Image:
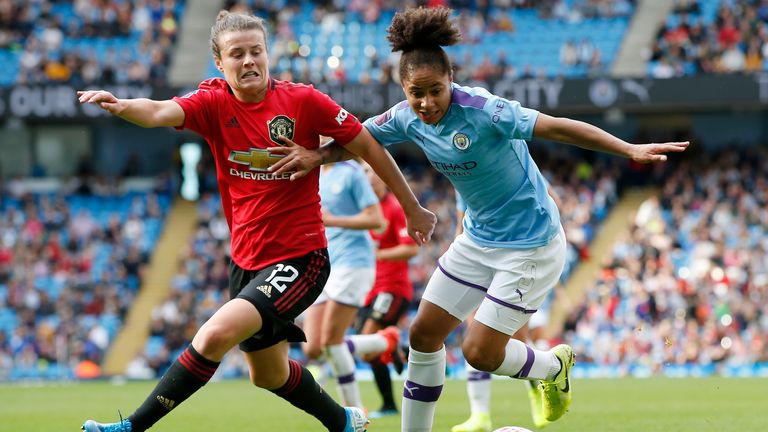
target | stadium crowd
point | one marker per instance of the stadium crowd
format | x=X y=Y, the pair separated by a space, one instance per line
x=707 y=36
x=687 y=284
x=86 y=42
x=70 y=265
x=477 y=20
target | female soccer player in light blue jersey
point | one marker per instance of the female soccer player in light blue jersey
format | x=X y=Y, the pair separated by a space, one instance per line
x=350 y=209
x=512 y=250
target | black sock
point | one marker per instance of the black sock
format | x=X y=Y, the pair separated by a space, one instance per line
x=384 y=383
x=185 y=376
x=303 y=392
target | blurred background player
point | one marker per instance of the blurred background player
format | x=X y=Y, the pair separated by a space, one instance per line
x=350 y=208
x=388 y=301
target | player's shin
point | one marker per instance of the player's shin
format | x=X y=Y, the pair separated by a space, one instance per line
x=187 y=374
x=478 y=390
x=343 y=365
x=522 y=361
x=426 y=376
x=303 y=392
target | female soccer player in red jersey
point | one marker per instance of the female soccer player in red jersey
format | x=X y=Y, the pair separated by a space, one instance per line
x=279 y=258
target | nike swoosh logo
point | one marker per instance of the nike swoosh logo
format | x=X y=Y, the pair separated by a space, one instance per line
x=567 y=387
x=411 y=389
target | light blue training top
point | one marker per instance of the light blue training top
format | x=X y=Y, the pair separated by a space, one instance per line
x=346 y=191
x=479 y=145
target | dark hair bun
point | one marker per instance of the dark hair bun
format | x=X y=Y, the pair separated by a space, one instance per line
x=422 y=28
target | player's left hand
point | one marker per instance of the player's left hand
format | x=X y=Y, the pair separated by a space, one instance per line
x=297 y=159
x=647 y=153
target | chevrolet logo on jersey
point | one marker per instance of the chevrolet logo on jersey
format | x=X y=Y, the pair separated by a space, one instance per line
x=256 y=159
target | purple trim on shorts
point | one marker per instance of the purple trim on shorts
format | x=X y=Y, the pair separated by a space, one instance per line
x=346 y=379
x=528 y=364
x=350 y=345
x=509 y=305
x=478 y=376
x=422 y=393
x=463 y=282
x=466 y=99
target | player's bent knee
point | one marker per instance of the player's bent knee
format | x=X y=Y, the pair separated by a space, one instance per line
x=313 y=352
x=213 y=341
x=424 y=341
x=269 y=381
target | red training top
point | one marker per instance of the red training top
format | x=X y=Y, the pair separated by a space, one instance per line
x=392 y=276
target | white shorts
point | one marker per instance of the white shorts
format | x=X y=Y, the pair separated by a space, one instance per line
x=505 y=285
x=348 y=285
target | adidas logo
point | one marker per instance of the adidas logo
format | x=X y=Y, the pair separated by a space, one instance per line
x=165 y=402
x=232 y=123
x=266 y=289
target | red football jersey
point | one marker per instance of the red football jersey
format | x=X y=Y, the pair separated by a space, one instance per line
x=392 y=276
x=270 y=217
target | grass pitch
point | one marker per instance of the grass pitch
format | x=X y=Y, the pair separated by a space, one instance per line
x=625 y=405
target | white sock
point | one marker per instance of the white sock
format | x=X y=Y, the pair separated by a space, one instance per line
x=367 y=343
x=524 y=362
x=531 y=384
x=343 y=365
x=478 y=390
x=426 y=376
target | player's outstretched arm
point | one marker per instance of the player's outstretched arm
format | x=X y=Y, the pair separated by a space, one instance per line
x=591 y=137
x=300 y=161
x=143 y=112
x=421 y=222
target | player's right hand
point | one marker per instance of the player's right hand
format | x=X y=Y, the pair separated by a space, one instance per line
x=421 y=224
x=297 y=159
x=104 y=99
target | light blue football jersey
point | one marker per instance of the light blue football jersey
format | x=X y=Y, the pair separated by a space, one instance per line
x=346 y=191
x=460 y=204
x=480 y=146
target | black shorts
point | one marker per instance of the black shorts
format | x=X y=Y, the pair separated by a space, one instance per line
x=281 y=292
x=386 y=309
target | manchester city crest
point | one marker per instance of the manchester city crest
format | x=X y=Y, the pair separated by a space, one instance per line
x=280 y=126
x=461 y=141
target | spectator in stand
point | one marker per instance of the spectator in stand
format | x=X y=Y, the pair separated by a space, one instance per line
x=725 y=43
x=41 y=35
x=679 y=289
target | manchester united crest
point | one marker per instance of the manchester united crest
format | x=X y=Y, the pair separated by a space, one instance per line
x=281 y=126
x=461 y=141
